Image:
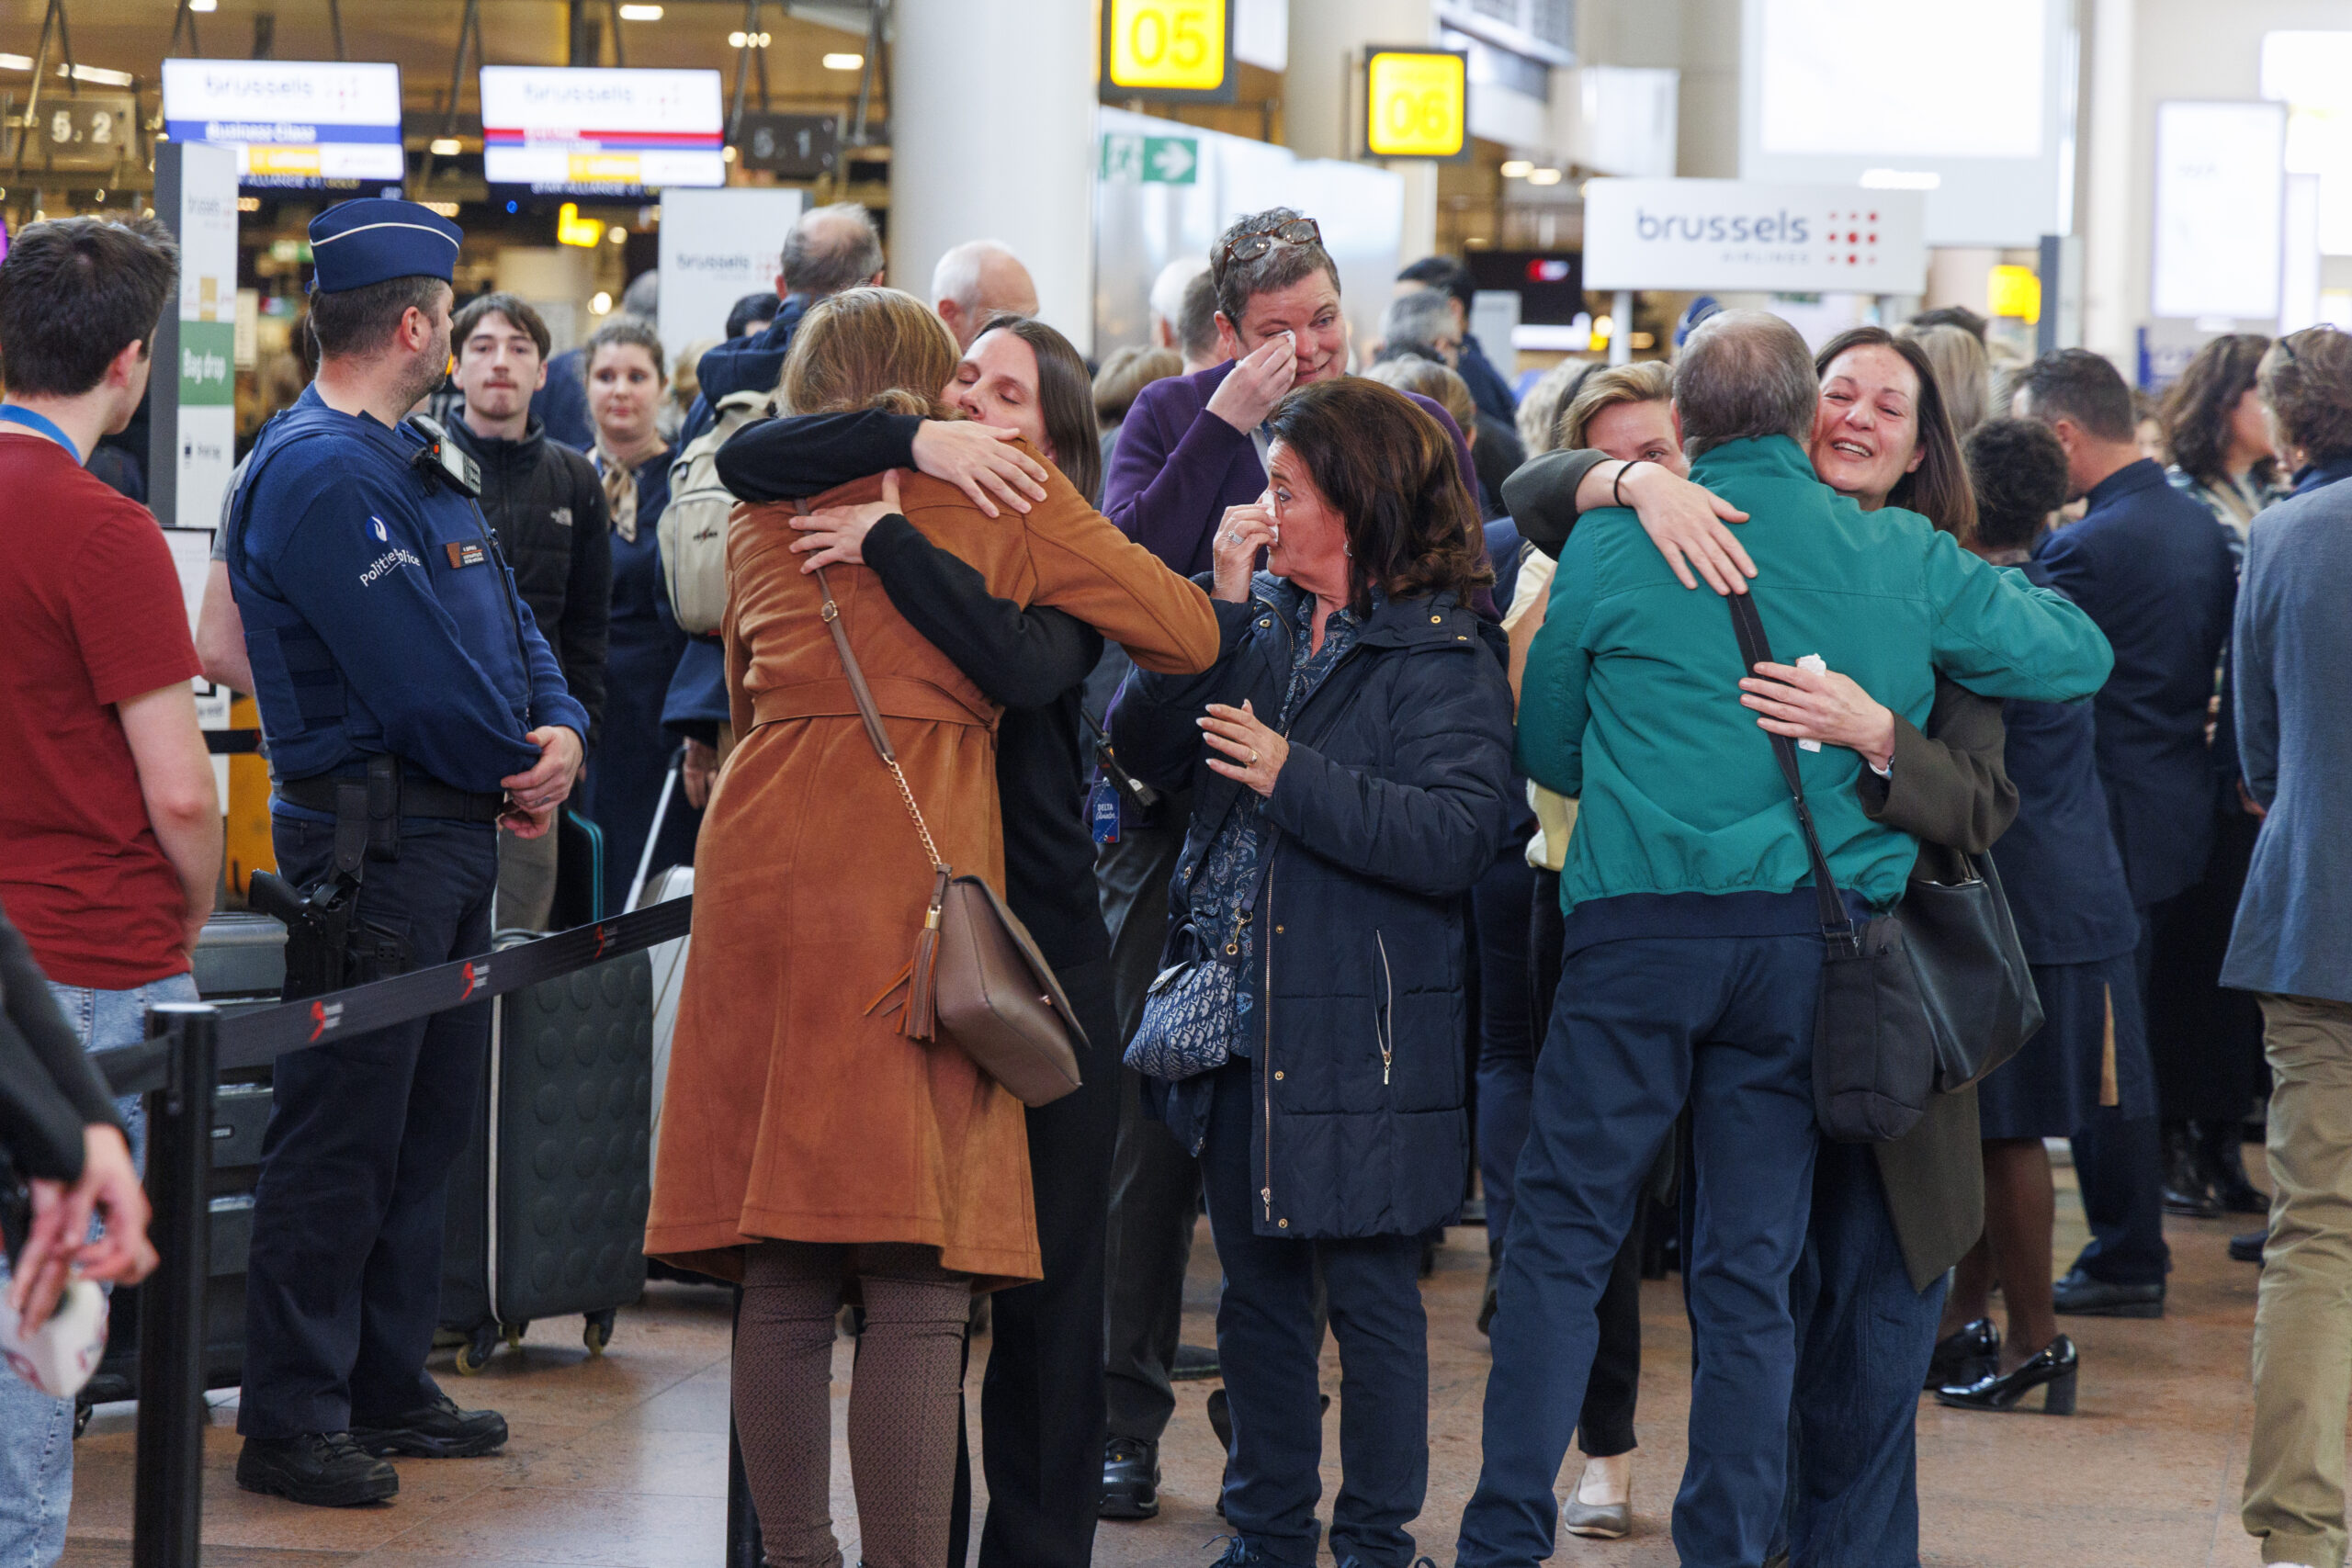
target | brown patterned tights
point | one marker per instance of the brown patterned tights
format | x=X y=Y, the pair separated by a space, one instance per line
x=904 y=1399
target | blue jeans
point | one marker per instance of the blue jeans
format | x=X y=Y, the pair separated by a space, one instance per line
x=35 y=1431
x=1269 y=1340
x=1641 y=1027
x=1864 y=1338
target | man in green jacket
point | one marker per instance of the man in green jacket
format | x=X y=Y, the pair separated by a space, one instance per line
x=1694 y=946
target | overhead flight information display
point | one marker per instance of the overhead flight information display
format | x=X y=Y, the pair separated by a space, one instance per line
x=298 y=124
x=582 y=131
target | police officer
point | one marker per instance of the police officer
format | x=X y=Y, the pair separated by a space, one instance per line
x=412 y=707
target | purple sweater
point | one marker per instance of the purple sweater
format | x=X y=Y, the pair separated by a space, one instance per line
x=1177 y=466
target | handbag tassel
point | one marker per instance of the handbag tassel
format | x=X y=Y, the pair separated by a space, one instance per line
x=922 y=1020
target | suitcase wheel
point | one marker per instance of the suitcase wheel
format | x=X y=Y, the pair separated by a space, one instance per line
x=514 y=1335
x=475 y=1353
x=82 y=1410
x=598 y=1332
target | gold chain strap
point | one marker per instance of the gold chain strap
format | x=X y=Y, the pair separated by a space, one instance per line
x=914 y=811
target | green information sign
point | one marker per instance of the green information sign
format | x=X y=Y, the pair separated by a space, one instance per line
x=208 y=363
x=1151 y=160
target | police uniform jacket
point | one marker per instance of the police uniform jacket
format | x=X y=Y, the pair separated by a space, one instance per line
x=379 y=614
x=795 y=1110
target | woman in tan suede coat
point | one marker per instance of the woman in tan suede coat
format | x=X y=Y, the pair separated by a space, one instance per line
x=807 y=1144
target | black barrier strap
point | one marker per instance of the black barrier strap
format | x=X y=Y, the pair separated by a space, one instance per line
x=258 y=1038
x=232 y=742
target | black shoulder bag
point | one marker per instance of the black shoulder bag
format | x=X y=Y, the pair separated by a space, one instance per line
x=1926 y=998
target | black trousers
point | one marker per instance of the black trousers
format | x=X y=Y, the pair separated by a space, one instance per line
x=2206 y=1042
x=1155 y=1184
x=1041 y=1400
x=344 y=1286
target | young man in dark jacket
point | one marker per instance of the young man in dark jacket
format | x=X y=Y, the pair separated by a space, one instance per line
x=547 y=506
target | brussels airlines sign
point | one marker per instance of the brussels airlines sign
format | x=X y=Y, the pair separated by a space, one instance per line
x=1735 y=234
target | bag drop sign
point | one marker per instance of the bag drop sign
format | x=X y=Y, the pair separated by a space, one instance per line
x=1739 y=235
x=207 y=360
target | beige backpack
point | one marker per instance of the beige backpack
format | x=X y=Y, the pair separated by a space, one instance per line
x=692 y=530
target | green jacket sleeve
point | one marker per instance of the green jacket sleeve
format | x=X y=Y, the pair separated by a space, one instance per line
x=1541 y=496
x=1552 y=698
x=2000 y=635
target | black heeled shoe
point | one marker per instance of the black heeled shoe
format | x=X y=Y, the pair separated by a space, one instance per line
x=1966 y=1354
x=2055 y=1367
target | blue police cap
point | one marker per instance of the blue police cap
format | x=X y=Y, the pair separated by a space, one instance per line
x=359 y=242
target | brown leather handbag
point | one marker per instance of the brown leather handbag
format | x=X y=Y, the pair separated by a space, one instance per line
x=977 y=976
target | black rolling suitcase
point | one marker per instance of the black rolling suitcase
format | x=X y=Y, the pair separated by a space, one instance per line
x=548 y=1203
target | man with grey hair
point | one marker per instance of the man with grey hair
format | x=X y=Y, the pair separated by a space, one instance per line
x=1165 y=305
x=976 y=281
x=829 y=249
x=1695 y=936
x=1425 y=324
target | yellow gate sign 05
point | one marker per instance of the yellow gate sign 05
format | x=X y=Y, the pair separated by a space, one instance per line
x=1417 y=102
x=1168 y=49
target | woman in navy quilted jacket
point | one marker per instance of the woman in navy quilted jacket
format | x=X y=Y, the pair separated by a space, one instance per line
x=1350 y=758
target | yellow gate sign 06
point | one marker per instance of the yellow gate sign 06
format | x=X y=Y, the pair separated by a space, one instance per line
x=1417 y=102
x=1168 y=48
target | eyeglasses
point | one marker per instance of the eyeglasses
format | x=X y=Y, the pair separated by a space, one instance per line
x=1248 y=247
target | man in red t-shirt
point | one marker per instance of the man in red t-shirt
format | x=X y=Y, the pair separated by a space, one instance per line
x=110 y=824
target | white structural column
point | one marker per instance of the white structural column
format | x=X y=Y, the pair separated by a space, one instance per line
x=2112 y=121
x=992 y=138
x=1323 y=90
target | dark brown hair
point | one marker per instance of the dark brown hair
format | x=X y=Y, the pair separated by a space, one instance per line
x=359 y=321
x=518 y=313
x=624 y=331
x=1938 y=489
x=2307 y=381
x=2019 y=472
x=1065 y=402
x=869 y=348
x=75 y=292
x=2197 y=408
x=1389 y=470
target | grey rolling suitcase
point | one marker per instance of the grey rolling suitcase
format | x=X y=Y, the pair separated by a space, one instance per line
x=548 y=1202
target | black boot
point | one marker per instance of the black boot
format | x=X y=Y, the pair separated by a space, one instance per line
x=1130 y=1479
x=326 y=1469
x=2185 y=1180
x=438 y=1430
x=1493 y=1283
x=2222 y=1152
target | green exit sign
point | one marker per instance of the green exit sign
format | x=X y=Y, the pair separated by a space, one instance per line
x=1151 y=160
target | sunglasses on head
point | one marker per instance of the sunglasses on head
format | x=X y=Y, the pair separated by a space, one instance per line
x=1248 y=247
x=2287 y=343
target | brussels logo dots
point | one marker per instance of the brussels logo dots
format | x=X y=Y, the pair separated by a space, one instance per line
x=1841 y=238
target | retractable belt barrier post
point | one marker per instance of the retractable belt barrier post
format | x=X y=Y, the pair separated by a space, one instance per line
x=187 y=1046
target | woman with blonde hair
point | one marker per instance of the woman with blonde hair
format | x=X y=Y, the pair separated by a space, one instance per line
x=810 y=1148
x=1964 y=372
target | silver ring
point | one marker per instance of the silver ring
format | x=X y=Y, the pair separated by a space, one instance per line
x=1254 y=758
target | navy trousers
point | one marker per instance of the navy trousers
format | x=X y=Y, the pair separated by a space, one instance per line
x=1864 y=1338
x=344 y=1288
x=1640 y=1028
x=1269 y=1341
x=1500 y=905
x=2118 y=1162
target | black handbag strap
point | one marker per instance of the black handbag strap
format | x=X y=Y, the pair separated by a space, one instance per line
x=1836 y=924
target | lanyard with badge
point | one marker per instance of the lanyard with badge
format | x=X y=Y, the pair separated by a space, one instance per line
x=40 y=424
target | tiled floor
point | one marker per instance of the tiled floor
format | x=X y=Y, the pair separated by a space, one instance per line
x=620 y=1462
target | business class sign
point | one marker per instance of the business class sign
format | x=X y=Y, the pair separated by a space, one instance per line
x=1739 y=235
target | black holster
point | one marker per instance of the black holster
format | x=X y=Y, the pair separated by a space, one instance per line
x=328 y=945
